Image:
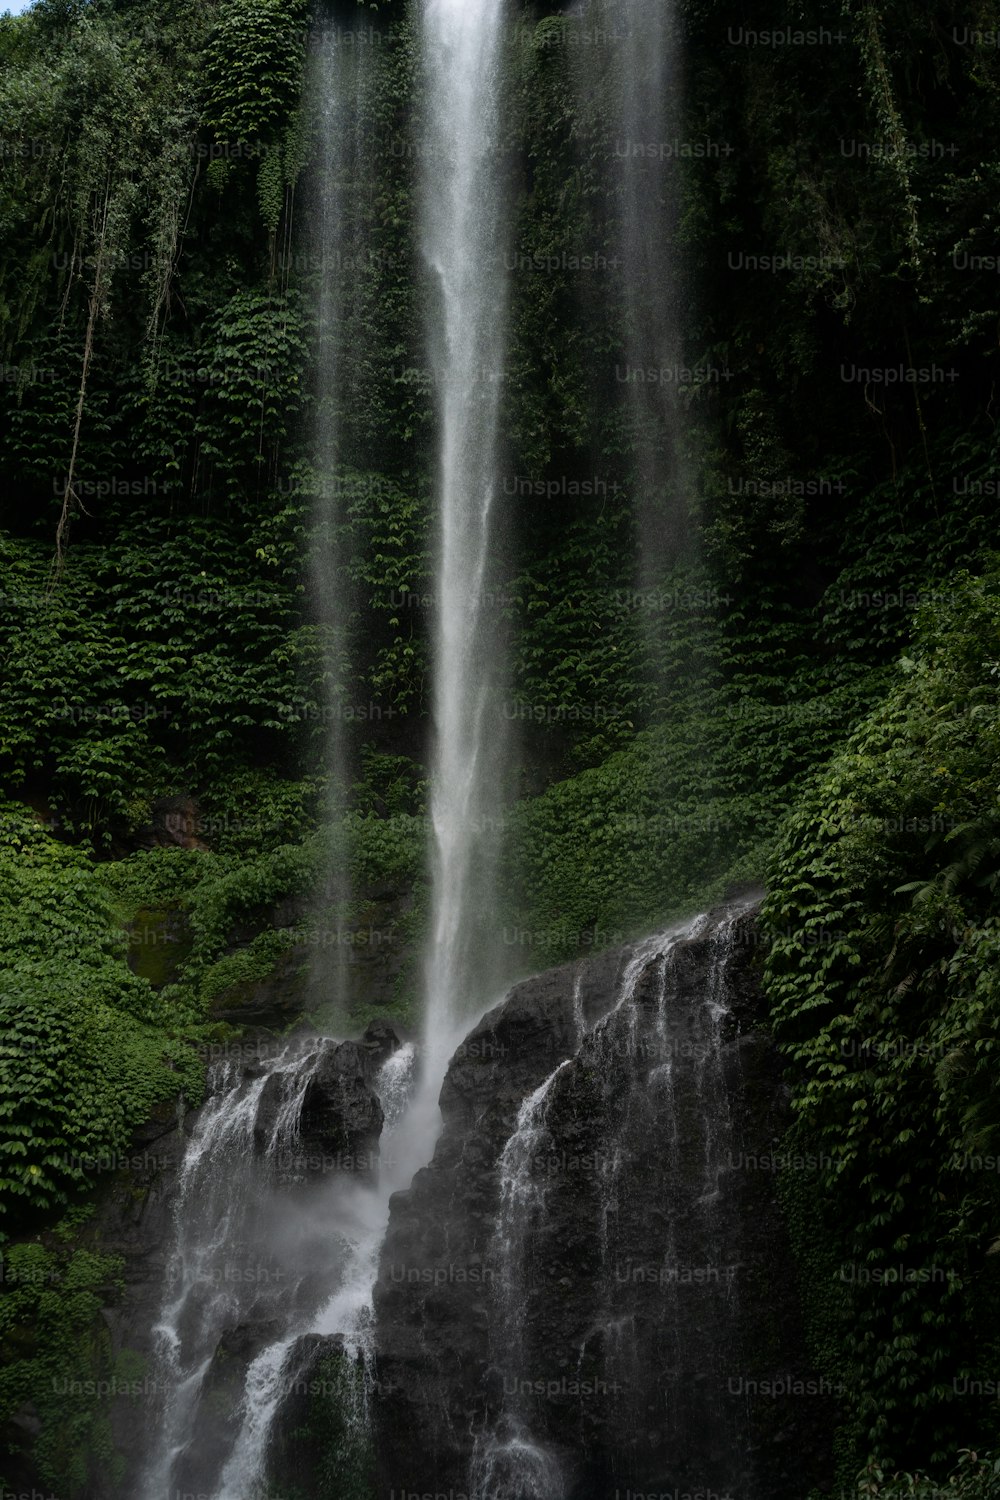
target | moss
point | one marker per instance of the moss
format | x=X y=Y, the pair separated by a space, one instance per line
x=159 y=941
x=323 y=1452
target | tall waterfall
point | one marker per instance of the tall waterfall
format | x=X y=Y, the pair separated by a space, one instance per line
x=332 y=1299
x=339 y=79
x=650 y=115
x=462 y=239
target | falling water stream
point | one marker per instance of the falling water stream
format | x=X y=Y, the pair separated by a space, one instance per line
x=339 y=83
x=462 y=239
x=332 y=1292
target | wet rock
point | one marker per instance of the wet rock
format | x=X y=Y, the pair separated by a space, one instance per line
x=340 y=1116
x=218 y=1418
x=320 y=1427
x=642 y=1332
x=177 y=823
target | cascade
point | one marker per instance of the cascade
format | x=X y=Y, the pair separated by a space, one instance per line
x=597 y=1253
x=224 y=1198
x=508 y=1465
x=245 y=1190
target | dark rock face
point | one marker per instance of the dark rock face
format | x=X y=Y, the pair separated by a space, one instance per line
x=341 y=1116
x=591 y=1292
x=217 y=1418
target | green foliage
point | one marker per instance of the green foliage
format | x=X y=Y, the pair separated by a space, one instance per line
x=664 y=824
x=89 y=1050
x=976 y=1478
x=97 y=126
x=255 y=352
x=57 y=1357
x=183 y=661
x=253 y=68
x=882 y=981
x=387 y=538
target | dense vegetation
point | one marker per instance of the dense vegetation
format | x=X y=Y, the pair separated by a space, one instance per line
x=808 y=694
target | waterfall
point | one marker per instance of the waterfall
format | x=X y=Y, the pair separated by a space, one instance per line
x=649 y=121
x=318 y=1244
x=225 y=1194
x=332 y=1299
x=660 y=1310
x=462 y=238
x=339 y=80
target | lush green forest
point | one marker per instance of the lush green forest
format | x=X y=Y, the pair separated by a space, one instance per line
x=807 y=700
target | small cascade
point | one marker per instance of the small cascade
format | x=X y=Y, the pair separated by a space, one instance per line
x=507 y=1464
x=225 y=1271
x=313 y=1236
x=395 y=1089
x=656 y=1312
x=356 y=1220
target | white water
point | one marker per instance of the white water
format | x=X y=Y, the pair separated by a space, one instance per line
x=212 y=1285
x=509 y=1463
x=357 y=1220
x=522 y=1195
x=339 y=77
x=462 y=225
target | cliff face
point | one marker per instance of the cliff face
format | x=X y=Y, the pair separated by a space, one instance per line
x=589 y=1290
x=587 y=1294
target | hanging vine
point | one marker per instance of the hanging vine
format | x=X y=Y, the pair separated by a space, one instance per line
x=896 y=148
